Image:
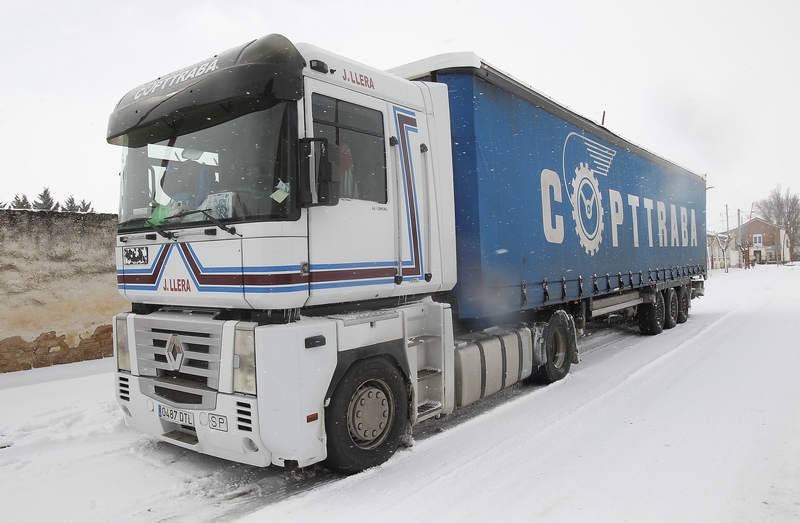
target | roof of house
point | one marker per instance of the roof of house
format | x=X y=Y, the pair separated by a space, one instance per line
x=755 y=219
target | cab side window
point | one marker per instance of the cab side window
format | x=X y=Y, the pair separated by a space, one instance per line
x=355 y=146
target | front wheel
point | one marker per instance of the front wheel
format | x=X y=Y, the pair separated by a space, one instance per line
x=367 y=416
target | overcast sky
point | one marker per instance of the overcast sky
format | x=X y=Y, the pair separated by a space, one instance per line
x=711 y=85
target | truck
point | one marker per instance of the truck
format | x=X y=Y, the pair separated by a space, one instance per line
x=321 y=255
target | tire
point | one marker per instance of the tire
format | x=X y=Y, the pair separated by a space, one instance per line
x=651 y=316
x=670 y=308
x=371 y=391
x=683 y=304
x=557 y=351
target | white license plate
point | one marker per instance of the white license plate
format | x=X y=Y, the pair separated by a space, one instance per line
x=180 y=417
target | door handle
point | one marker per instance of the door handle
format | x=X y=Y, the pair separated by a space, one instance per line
x=315 y=341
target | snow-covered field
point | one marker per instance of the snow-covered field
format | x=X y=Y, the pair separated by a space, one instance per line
x=701 y=423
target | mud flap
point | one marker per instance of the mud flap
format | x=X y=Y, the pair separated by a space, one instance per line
x=698 y=288
x=572 y=334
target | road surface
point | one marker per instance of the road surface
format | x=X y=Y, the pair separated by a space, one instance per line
x=700 y=423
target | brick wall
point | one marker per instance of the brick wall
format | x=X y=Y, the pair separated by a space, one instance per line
x=51 y=349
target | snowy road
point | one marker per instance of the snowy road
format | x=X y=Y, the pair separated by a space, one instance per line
x=701 y=423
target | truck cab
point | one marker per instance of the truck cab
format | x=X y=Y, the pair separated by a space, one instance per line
x=274 y=200
x=324 y=172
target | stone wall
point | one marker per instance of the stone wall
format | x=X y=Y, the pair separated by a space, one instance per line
x=57 y=287
x=56 y=244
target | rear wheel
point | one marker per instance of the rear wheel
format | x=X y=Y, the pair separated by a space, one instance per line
x=651 y=316
x=556 y=346
x=367 y=416
x=671 y=308
x=683 y=304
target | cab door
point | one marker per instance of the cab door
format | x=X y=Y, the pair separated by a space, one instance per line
x=353 y=248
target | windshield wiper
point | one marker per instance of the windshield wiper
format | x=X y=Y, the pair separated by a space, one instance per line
x=213 y=219
x=160 y=230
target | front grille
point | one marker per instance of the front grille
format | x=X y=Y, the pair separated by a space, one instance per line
x=124 y=388
x=244 y=416
x=178 y=396
x=199 y=338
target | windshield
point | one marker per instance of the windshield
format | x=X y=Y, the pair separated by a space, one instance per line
x=239 y=170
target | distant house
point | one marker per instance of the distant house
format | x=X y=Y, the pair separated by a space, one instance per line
x=719 y=247
x=764 y=242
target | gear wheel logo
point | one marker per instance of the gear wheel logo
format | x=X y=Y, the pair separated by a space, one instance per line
x=587 y=209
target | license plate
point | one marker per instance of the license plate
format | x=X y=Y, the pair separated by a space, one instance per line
x=176 y=416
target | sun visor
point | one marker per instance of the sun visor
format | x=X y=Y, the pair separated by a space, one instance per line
x=240 y=80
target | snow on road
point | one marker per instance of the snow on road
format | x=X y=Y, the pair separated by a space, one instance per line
x=700 y=423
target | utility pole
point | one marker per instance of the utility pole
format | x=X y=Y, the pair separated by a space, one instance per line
x=739 y=234
x=727 y=237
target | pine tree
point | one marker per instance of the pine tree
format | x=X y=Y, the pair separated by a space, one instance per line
x=20 y=202
x=44 y=201
x=85 y=206
x=2 y=205
x=70 y=205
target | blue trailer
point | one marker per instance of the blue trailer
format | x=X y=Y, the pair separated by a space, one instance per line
x=553 y=208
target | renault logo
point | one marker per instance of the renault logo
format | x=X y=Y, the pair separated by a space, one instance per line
x=174 y=352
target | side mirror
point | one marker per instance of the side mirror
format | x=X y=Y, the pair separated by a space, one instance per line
x=318 y=187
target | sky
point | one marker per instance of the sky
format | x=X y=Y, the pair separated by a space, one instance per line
x=710 y=85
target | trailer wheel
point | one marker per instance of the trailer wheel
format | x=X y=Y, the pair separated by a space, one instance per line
x=683 y=304
x=557 y=350
x=671 y=308
x=367 y=416
x=651 y=316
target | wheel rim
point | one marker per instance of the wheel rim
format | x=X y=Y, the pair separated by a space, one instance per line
x=673 y=308
x=370 y=414
x=559 y=350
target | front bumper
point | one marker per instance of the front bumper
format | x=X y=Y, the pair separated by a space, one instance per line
x=240 y=442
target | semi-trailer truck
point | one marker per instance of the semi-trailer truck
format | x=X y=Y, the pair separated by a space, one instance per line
x=321 y=255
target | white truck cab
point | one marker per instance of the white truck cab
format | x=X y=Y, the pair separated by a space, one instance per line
x=284 y=211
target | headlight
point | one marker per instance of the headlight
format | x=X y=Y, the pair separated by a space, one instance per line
x=121 y=343
x=244 y=358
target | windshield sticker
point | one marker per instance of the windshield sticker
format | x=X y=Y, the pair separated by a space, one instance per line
x=219 y=204
x=180 y=154
x=281 y=191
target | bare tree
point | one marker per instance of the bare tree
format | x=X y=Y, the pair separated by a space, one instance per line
x=782 y=209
